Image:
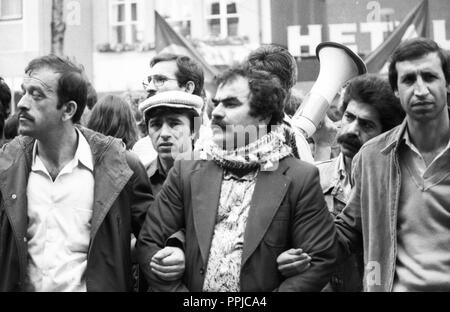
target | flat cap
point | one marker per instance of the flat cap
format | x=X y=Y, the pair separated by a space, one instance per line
x=174 y=99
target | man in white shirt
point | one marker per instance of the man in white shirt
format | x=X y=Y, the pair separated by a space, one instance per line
x=70 y=197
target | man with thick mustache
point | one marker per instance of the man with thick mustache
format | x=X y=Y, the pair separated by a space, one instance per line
x=369 y=108
x=69 y=197
x=242 y=200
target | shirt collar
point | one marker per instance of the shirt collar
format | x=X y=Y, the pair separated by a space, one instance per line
x=160 y=168
x=83 y=155
x=406 y=138
x=340 y=166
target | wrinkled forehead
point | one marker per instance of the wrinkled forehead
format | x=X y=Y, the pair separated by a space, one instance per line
x=43 y=78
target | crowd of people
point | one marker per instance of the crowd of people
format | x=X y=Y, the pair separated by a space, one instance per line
x=192 y=191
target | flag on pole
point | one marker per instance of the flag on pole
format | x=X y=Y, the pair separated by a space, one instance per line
x=415 y=24
x=168 y=41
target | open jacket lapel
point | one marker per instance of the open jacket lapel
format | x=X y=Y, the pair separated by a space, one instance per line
x=270 y=189
x=109 y=180
x=13 y=185
x=205 y=187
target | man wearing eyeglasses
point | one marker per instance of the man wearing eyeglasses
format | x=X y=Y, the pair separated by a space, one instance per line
x=168 y=72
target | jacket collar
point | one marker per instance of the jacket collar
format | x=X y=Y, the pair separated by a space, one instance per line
x=394 y=138
x=111 y=173
x=269 y=192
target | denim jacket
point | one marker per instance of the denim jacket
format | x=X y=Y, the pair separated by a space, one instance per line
x=369 y=220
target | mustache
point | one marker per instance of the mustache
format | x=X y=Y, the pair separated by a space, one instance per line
x=350 y=139
x=25 y=115
x=218 y=123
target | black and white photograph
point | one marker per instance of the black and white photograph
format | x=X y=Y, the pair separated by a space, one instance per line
x=227 y=150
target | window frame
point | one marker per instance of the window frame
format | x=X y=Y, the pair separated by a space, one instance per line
x=223 y=17
x=11 y=17
x=127 y=23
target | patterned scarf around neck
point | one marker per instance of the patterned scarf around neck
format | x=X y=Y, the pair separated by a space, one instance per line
x=262 y=154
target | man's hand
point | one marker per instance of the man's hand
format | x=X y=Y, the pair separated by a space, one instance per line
x=324 y=139
x=168 y=264
x=293 y=262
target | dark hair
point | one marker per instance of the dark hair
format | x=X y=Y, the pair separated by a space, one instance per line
x=165 y=110
x=266 y=93
x=375 y=91
x=411 y=50
x=293 y=104
x=5 y=100
x=133 y=99
x=113 y=116
x=188 y=70
x=11 y=129
x=72 y=83
x=276 y=60
x=91 y=96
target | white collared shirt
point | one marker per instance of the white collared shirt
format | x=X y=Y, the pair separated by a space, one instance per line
x=59 y=222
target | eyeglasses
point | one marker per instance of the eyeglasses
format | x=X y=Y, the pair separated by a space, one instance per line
x=158 y=80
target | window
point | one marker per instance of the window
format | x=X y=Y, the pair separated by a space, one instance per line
x=222 y=18
x=178 y=14
x=125 y=22
x=10 y=9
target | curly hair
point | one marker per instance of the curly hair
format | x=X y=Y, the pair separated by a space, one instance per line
x=375 y=91
x=266 y=92
x=276 y=60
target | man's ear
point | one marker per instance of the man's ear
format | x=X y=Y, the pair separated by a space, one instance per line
x=189 y=87
x=396 y=93
x=69 y=110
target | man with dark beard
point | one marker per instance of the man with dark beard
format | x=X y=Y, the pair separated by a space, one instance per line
x=369 y=109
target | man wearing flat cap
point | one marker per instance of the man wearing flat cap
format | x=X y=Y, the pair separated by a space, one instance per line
x=172 y=119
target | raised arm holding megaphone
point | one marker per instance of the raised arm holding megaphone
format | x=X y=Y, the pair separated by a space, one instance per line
x=338 y=64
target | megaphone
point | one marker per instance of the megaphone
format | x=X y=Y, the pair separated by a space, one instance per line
x=338 y=64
